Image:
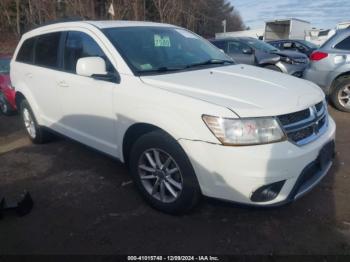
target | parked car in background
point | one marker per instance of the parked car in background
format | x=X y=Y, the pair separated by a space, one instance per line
x=251 y=51
x=7 y=93
x=330 y=69
x=301 y=46
x=180 y=113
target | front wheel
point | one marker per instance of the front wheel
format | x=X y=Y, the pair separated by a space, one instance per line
x=163 y=173
x=341 y=94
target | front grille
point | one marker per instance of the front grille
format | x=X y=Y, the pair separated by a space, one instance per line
x=319 y=106
x=305 y=126
x=295 y=117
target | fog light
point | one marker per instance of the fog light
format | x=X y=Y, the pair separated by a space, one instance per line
x=267 y=192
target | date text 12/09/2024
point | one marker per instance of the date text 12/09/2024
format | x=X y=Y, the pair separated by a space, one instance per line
x=173 y=258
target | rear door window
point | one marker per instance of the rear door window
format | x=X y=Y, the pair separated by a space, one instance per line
x=344 y=45
x=79 y=45
x=275 y=44
x=220 y=44
x=46 y=50
x=26 y=52
x=236 y=47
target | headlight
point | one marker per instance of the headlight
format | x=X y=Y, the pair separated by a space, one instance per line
x=248 y=131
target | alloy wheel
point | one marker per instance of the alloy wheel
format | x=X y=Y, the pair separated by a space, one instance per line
x=160 y=175
x=29 y=123
x=344 y=96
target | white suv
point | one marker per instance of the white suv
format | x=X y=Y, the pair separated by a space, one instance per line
x=185 y=118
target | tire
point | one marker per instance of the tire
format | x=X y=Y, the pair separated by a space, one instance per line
x=5 y=107
x=36 y=133
x=273 y=68
x=340 y=95
x=171 y=156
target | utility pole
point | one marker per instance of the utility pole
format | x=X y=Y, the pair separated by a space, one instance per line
x=224 y=23
x=18 y=17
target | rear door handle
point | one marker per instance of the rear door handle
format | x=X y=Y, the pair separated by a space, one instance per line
x=29 y=75
x=63 y=84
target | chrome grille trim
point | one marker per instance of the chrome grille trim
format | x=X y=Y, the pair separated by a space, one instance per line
x=300 y=132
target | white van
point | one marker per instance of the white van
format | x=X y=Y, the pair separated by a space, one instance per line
x=182 y=115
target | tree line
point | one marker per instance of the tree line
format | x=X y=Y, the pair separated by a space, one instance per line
x=202 y=16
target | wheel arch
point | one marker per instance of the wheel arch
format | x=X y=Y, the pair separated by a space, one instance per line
x=24 y=94
x=134 y=132
x=18 y=99
x=334 y=76
x=344 y=74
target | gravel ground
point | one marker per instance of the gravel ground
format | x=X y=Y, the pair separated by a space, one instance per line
x=85 y=203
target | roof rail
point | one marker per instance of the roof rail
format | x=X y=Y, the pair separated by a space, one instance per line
x=56 y=21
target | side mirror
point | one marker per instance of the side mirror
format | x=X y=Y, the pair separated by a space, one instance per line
x=95 y=67
x=89 y=66
x=247 y=51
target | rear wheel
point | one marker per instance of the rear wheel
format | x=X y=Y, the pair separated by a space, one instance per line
x=5 y=107
x=36 y=133
x=340 y=95
x=163 y=173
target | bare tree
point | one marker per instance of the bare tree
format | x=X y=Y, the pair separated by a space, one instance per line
x=202 y=16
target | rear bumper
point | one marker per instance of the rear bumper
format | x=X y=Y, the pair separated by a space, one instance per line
x=319 y=78
x=235 y=173
x=292 y=69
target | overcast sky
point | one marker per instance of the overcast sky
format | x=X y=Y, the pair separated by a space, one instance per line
x=321 y=13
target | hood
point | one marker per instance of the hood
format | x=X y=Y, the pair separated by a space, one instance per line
x=247 y=90
x=266 y=58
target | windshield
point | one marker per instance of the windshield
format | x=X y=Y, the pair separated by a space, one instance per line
x=163 y=49
x=261 y=45
x=4 y=65
x=308 y=44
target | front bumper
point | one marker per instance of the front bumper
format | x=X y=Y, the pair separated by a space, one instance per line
x=235 y=173
x=292 y=69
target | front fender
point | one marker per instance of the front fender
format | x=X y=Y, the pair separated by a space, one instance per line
x=180 y=116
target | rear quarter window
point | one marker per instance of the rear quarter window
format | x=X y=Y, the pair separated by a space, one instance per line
x=344 y=44
x=46 y=50
x=26 y=52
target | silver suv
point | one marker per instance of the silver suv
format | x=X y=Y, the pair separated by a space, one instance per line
x=330 y=68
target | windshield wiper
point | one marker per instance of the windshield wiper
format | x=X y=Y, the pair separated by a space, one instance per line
x=211 y=62
x=162 y=69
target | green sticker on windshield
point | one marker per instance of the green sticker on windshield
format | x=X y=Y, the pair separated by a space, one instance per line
x=161 y=41
x=146 y=67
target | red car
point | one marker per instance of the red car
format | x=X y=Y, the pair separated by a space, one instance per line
x=7 y=92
